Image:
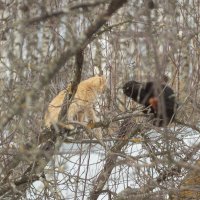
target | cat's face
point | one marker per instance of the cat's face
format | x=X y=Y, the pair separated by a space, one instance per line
x=131 y=88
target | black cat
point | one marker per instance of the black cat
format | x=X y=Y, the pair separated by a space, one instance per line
x=157 y=99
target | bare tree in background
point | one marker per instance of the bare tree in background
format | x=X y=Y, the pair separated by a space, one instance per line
x=45 y=45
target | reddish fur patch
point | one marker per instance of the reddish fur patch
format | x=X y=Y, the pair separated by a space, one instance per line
x=153 y=102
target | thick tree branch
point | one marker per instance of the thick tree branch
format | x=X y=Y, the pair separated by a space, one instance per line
x=79 y=57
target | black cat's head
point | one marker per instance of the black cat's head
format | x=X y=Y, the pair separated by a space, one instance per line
x=131 y=89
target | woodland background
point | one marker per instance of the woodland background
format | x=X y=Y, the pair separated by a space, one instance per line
x=47 y=44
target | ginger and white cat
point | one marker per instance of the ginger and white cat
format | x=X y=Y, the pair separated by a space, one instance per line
x=81 y=107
